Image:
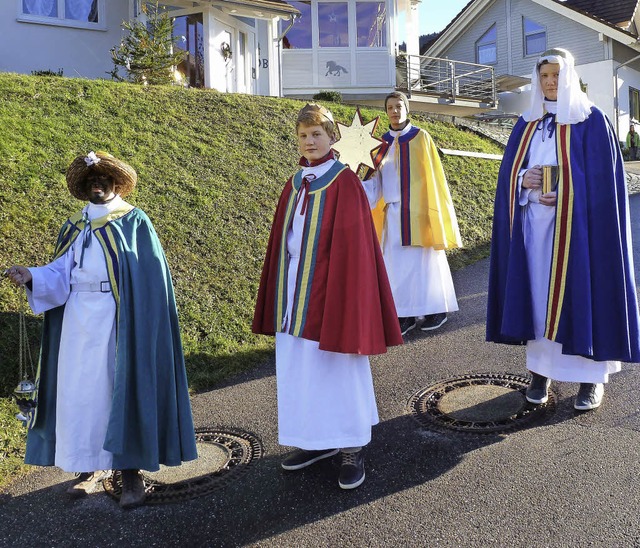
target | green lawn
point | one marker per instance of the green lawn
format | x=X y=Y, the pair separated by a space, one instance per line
x=211 y=167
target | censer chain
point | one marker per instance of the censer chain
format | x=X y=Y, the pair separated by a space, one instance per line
x=24 y=355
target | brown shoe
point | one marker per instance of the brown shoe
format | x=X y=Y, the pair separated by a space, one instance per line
x=86 y=483
x=133 y=493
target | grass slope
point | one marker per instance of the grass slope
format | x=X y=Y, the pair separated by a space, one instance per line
x=211 y=167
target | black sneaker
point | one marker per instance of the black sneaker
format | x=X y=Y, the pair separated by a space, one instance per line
x=538 y=390
x=302 y=458
x=433 y=321
x=407 y=324
x=351 y=470
x=589 y=396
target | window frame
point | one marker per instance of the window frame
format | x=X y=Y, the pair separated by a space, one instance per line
x=634 y=113
x=352 y=26
x=526 y=34
x=386 y=24
x=61 y=21
x=325 y=3
x=494 y=26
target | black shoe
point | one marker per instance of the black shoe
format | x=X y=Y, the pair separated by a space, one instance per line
x=407 y=324
x=538 y=390
x=302 y=458
x=351 y=470
x=87 y=483
x=433 y=321
x=133 y=491
x=589 y=396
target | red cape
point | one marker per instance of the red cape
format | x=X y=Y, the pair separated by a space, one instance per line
x=350 y=307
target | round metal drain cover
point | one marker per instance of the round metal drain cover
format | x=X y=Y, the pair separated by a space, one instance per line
x=484 y=403
x=224 y=454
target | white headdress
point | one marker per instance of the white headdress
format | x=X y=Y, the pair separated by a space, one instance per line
x=573 y=104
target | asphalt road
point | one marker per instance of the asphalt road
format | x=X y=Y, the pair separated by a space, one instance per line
x=571 y=480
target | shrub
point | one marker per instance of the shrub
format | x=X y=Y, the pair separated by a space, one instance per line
x=328 y=95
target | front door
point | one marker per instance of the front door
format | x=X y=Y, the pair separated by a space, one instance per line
x=230 y=58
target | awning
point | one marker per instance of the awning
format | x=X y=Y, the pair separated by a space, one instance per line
x=508 y=82
x=260 y=9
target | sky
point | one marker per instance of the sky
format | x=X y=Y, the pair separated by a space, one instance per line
x=435 y=15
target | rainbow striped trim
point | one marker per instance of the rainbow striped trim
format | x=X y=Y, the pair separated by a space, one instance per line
x=518 y=162
x=306 y=267
x=562 y=236
x=405 y=192
x=280 y=308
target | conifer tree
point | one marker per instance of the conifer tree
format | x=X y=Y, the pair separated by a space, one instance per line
x=147 y=54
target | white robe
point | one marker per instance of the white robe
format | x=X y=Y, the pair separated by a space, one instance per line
x=325 y=399
x=86 y=359
x=544 y=356
x=420 y=277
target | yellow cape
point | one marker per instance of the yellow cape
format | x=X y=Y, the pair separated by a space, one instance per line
x=431 y=218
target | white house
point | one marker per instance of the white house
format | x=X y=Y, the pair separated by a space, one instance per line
x=233 y=45
x=510 y=34
x=293 y=48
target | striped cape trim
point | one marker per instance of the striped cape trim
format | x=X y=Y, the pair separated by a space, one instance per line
x=68 y=233
x=280 y=308
x=104 y=232
x=405 y=191
x=306 y=268
x=520 y=157
x=105 y=236
x=562 y=235
x=313 y=224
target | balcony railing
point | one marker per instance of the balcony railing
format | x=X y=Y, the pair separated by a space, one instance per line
x=444 y=78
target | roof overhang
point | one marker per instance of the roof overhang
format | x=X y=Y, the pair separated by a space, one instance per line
x=257 y=9
x=609 y=30
x=473 y=10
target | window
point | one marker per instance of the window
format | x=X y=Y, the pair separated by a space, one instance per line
x=333 y=24
x=634 y=104
x=486 y=50
x=299 y=36
x=534 y=37
x=371 y=23
x=71 y=10
x=189 y=31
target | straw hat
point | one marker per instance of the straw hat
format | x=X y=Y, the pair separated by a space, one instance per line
x=102 y=163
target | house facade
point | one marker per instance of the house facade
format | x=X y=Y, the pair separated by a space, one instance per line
x=292 y=48
x=511 y=34
x=232 y=45
x=348 y=46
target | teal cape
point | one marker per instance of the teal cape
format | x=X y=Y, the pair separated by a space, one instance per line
x=150 y=421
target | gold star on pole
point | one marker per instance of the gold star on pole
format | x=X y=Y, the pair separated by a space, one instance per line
x=356 y=142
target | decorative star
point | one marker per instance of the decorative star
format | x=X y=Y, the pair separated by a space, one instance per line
x=333 y=18
x=356 y=142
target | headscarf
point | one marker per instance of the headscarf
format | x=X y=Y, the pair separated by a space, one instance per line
x=573 y=104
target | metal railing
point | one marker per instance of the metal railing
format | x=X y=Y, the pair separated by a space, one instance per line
x=451 y=80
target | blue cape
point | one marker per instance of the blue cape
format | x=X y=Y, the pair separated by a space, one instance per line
x=150 y=421
x=592 y=303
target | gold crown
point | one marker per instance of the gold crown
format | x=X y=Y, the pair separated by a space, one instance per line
x=313 y=107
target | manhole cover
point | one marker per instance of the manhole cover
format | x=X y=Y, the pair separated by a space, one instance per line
x=484 y=403
x=223 y=455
